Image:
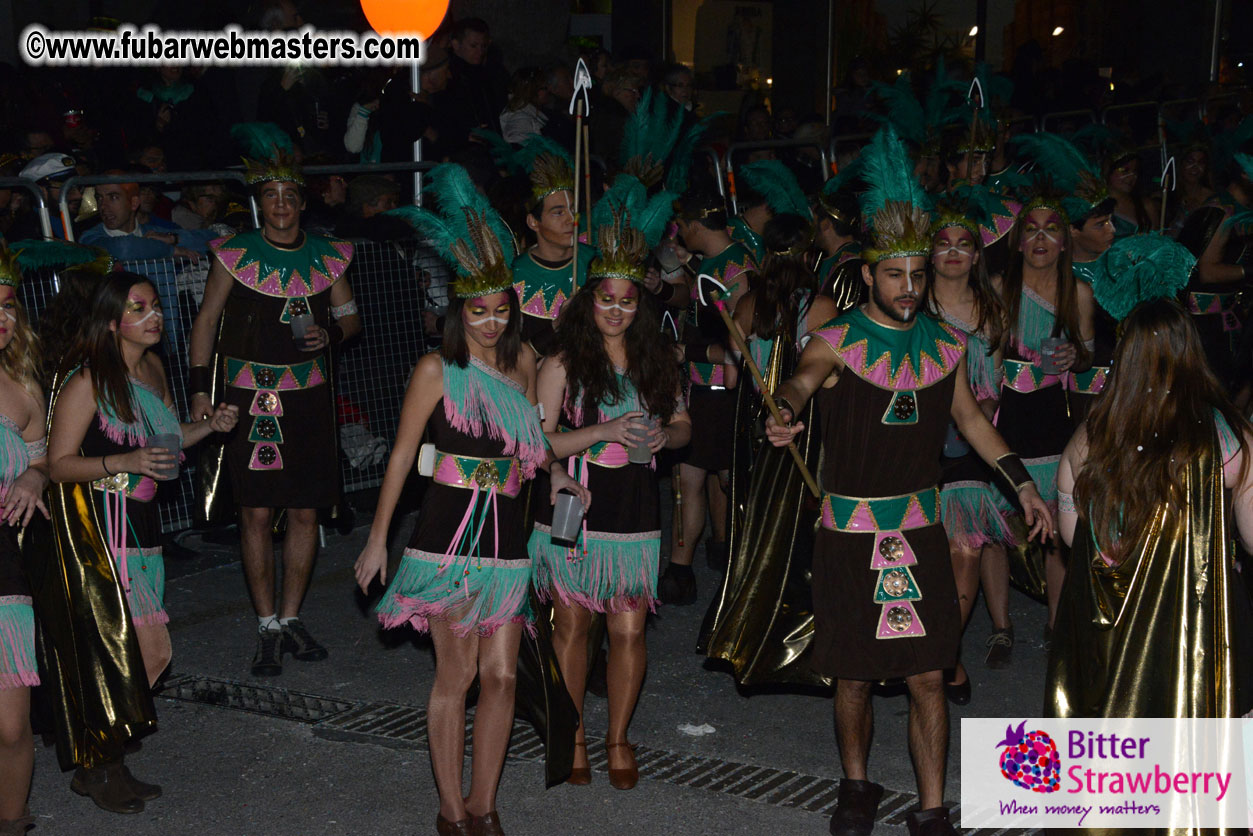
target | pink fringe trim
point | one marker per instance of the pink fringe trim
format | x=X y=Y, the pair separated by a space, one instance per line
x=973 y=527
x=599 y=580
x=21 y=679
x=530 y=456
x=421 y=614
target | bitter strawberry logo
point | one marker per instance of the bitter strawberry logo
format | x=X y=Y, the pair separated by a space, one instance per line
x=1030 y=759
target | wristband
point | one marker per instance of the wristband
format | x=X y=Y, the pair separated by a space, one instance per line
x=105 y=466
x=199 y=380
x=1014 y=471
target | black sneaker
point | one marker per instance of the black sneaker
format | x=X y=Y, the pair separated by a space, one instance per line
x=299 y=643
x=676 y=589
x=268 y=661
x=1000 y=649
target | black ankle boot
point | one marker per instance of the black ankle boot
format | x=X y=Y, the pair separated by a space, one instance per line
x=932 y=822
x=856 y=808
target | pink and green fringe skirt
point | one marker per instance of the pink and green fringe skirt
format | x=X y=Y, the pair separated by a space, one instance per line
x=145 y=569
x=17 y=643
x=472 y=594
x=605 y=572
x=971 y=516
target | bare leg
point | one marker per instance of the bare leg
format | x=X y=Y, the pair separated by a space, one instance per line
x=692 y=481
x=628 y=658
x=456 y=662
x=994 y=573
x=1054 y=577
x=570 y=626
x=493 y=719
x=854 y=726
x=966 y=573
x=718 y=505
x=154 y=646
x=300 y=547
x=928 y=735
x=257 y=551
x=17 y=752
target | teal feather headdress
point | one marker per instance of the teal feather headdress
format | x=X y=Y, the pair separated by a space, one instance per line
x=920 y=121
x=270 y=153
x=1139 y=268
x=37 y=254
x=843 y=179
x=969 y=207
x=628 y=225
x=465 y=230
x=894 y=205
x=775 y=182
x=542 y=159
x=650 y=135
x=680 y=165
x=1080 y=182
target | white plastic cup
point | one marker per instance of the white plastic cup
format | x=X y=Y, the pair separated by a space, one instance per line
x=300 y=325
x=638 y=453
x=1048 y=354
x=172 y=443
x=567 y=518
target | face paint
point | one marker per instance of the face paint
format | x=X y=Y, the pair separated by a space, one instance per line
x=475 y=323
x=623 y=305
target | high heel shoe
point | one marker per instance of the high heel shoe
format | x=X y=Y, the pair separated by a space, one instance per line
x=624 y=779
x=580 y=776
x=444 y=827
x=487 y=824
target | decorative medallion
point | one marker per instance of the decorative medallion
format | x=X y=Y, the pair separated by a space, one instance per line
x=900 y=619
x=267 y=402
x=265 y=377
x=895 y=583
x=891 y=549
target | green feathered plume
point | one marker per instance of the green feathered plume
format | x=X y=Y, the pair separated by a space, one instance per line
x=1244 y=218
x=465 y=230
x=34 y=255
x=1059 y=161
x=777 y=184
x=1140 y=268
x=519 y=160
x=261 y=140
x=651 y=132
x=680 y=167
x=969 y=207
x=894 y=205
x=1226 y=144
x=628 y=224
x=921 y=121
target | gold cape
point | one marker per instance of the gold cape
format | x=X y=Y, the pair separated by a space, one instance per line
x=1165 y=634
x=761 y=620
x=90 y=661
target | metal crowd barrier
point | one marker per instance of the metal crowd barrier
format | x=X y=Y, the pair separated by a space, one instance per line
x=41 y=206
x=393 y=283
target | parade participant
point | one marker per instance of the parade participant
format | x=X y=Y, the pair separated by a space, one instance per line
x=889 y=380
x=1122 y=178
x=465 y=576
x=963 y=297
x=1195 y=187
x=836 y=225
x=611 y=385
x=765 y=188
x=1218 y=235
x=243 y=348
x=765 y=594
x=108 y=414
x=706 y=462
x=544 y=276
x=23 y=477
x=1154 y=618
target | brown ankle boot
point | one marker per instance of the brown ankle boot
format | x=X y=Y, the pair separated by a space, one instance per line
x=142 y=790
x=105 y=786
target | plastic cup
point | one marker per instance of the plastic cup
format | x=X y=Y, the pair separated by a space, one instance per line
x=173 y=443
x=300 y=324
x=567 y=517
x=638 y=453
x=1048 y=354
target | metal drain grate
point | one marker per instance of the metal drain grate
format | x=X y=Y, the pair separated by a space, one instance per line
x=256 y=699
x=404 y=727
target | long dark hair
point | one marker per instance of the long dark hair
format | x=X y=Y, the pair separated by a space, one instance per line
x=98 y=346
x=454 y=348
x=1066 y=321
x=64 y=318
x=1155 y=417
x=783 y=272
x=651 y=364
x=990 y=306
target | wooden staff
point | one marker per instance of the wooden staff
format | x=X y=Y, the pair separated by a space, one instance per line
x=742 y=346
x=587 y=179
x=578 y=145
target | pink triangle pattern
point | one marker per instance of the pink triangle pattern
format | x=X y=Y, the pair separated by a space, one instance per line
x=256 y=409
x=913 y=630
x=877 y=561
x=915 y=517
x=256 y=464
x=244 y=380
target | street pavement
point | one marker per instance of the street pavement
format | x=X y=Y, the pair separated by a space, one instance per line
x=338 y=747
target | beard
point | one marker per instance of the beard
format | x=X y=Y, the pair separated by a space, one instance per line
x=887 y=309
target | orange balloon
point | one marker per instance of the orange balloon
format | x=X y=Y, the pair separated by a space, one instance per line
x=394 y=17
